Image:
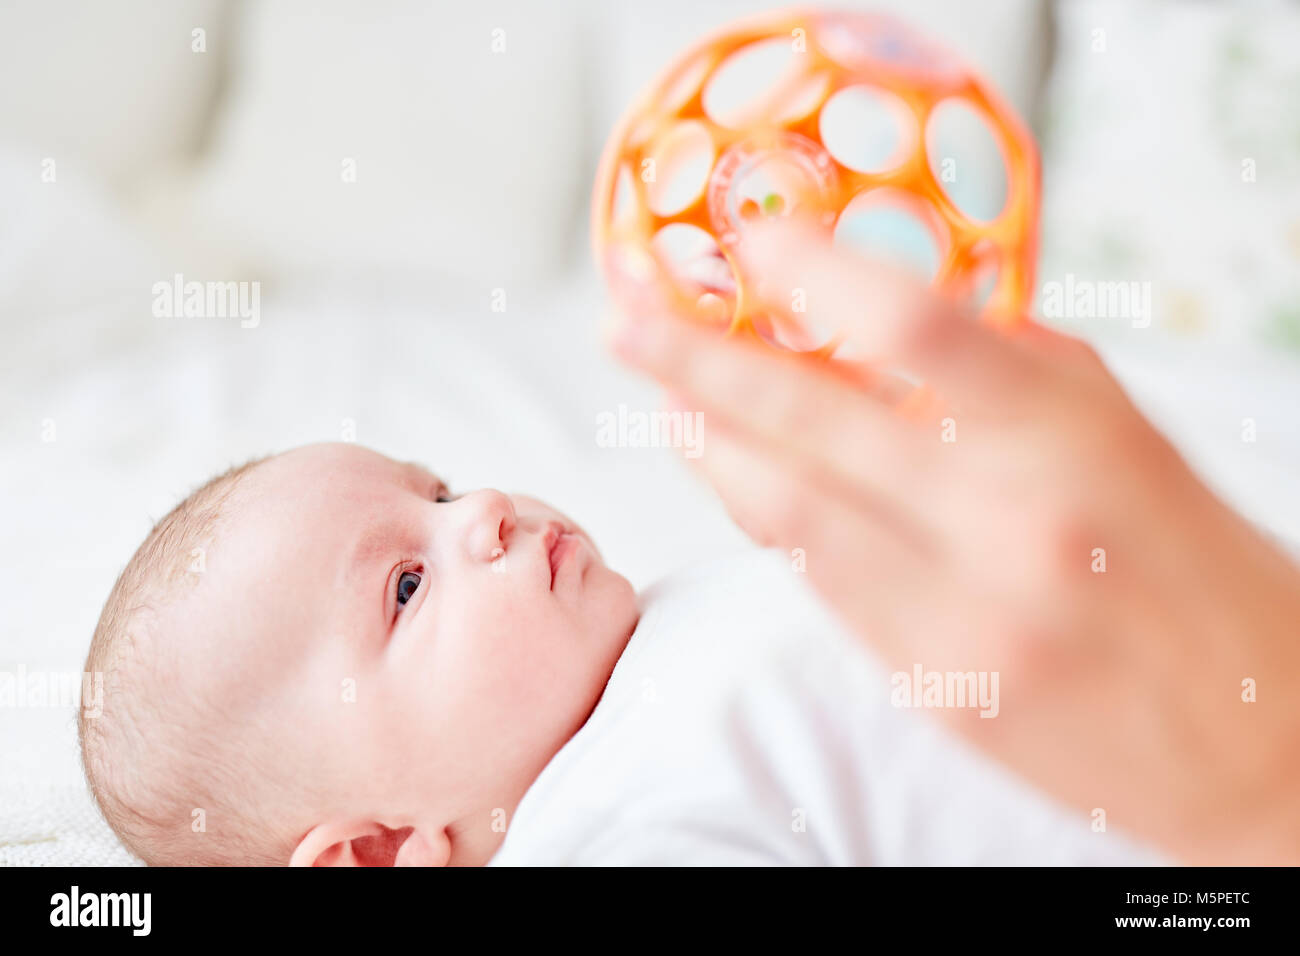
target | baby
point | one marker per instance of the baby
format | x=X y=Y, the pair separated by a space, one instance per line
x=327 y=658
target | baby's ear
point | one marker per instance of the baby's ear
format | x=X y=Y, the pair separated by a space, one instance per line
x=417 y=851
x=367 y=843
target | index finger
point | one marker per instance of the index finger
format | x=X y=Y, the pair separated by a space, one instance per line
x=892 y=316
x=783 y=403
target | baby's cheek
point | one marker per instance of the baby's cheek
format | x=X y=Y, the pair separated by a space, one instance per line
x=545 y=670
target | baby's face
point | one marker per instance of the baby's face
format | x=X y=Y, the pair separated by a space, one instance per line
x=422 y=652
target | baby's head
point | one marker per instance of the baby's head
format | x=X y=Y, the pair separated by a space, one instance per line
x=327 y=657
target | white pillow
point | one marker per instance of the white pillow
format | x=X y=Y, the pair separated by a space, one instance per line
x=398 y=134
x=116 y=87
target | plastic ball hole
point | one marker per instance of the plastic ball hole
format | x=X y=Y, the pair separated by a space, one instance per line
x=678 y=168
x=867 y=129
x=763 y=82
x=966 y=160
x=886 y=224
x=696 y=266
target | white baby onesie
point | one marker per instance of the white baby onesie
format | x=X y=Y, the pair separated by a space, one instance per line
x=743 y=725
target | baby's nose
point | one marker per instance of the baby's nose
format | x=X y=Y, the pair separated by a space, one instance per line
x=490 y=521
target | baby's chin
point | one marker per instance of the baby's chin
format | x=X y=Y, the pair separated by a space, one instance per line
x=628 y=607
x=606 y=599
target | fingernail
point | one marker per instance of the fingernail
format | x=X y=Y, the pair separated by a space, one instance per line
x=774 y=239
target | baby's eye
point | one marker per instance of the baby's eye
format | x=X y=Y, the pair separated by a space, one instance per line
x=407 y=585
x=445 y=496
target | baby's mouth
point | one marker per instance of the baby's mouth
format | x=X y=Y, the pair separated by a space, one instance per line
x=561 y=543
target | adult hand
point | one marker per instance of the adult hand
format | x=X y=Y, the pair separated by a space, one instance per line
x=1032 y=524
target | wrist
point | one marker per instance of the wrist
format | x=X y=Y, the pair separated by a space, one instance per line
x=1232 y=643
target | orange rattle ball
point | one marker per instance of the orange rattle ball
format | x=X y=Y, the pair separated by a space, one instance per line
x=850 y=120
